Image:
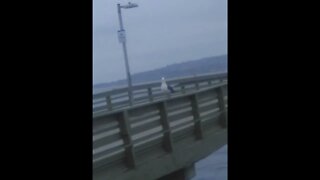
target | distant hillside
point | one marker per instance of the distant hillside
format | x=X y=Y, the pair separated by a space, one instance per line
x=195 y=67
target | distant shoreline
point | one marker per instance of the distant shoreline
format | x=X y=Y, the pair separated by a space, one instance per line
x=213 y=64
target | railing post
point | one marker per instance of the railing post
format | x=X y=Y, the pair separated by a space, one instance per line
x=168 y=94
x=109 y=104
x=197 y=85
x=183 y=90
x=222 y=106
x=167 y=139
x=130 y=95
x=126 y=136
x=196 y=115
x=150 y=94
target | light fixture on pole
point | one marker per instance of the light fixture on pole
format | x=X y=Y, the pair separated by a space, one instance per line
x=122 y=39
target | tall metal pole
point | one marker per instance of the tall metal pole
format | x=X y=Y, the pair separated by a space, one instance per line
x=126 y=58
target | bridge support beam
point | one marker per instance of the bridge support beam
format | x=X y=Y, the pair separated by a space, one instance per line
x=183 y=174
x=222 y=106
x=167 y=143
x=126 y=136
x=196 y=115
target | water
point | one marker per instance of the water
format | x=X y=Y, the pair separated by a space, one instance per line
x=213 y=167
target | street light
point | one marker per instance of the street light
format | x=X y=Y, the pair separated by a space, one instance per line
x=122 y=39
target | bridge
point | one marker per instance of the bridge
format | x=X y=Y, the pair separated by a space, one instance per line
x=158 y=135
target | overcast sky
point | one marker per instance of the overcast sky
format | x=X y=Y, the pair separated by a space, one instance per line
x=159 y=33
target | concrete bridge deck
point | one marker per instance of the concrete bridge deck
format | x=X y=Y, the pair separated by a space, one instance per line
x=162 y=138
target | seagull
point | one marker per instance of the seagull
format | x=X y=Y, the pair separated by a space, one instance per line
x=165 y=87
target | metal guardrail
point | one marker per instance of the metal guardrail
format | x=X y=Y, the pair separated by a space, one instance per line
x=123 y=138
x=149 y=92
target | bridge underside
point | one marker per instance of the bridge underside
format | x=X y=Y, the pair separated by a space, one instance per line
x=156 y=164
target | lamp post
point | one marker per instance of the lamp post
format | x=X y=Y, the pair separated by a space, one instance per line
x=122 y=39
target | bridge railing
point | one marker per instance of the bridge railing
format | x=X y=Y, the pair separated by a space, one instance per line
x=149 y=92
x=124 y=137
